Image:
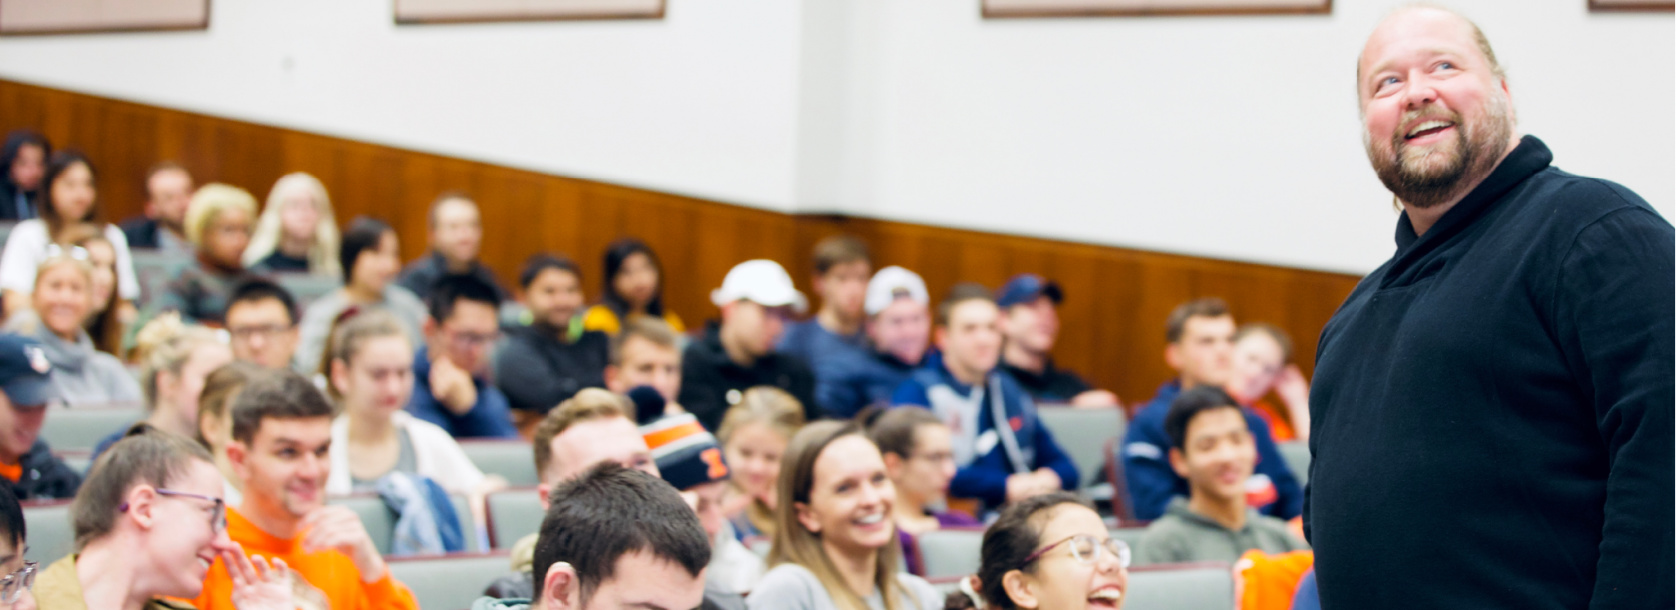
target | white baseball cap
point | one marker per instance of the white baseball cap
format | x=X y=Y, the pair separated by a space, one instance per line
x=759 y=281
x=892 y=283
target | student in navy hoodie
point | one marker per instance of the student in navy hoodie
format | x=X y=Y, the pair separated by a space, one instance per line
x=963 y=385
x=1201 y=345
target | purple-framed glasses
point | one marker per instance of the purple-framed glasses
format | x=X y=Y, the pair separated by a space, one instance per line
x=1086 y=549
x=218 y=520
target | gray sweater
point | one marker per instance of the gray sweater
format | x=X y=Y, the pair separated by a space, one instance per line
x=82 y=374
x=1182 y=535
x=793 y=587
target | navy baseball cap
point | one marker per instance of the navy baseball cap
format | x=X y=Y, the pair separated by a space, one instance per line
x=23 y=371
x=1025 y=287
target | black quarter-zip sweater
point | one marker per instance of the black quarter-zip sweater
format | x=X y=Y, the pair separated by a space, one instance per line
x=1492 y=407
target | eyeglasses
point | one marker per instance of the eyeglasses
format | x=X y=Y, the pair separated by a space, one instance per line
x=14 y=584
x=218 y=519
x=73 y=252
x=246 y=333
x=1086 y=550
x=471 y=340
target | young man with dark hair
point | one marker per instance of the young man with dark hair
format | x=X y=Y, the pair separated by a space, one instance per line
x=546 y=362
x=898 y=332
x=168 y=190
x=262 y=320
x=1213 y=449
x=280 y=451
x=1200 y=337
x=1030 y=323
x=1003 y=452
x=738 y=354
x=25 y=390
x=456 y=238
x=616 y=538
x=449 y=388
x=842 y=266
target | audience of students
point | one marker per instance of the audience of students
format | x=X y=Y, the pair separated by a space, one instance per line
x=108 y=320
x=835 y=544
x=70 y=197
x=633 y=287
x=646 y=352
x=842 y=268
x=737 y=353
x=215 y=423
x=1212 y=448
x=456 y=240
x=898 y=332
x=262 y=323
x=754 y=435
x=1200 y=336
x=61 y=299
x=615 y=538
x=218 y=224
x=26 y=389
x=1003 y=451
x=1262 y=362
x=162 y=227
x=371 y=256
x=174 y=358
x=1051 y=551
x=1030 y=325
x=17 y=575
x=282 y=454
x=298 y=231
x=24 y=160
x=147 y=523
x=450 y=388
x=546 y=362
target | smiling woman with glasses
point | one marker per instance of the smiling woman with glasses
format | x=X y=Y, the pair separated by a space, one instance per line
x=1049 y=551
x=149 y=523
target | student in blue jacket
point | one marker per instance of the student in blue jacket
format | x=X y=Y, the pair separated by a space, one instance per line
x=963 y=385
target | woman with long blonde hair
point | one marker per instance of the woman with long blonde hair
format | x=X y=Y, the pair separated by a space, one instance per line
x=835 y=542
x=298 y=232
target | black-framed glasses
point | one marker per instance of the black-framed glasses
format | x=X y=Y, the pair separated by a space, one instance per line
x=14 y=584
x=218 y=519
x=266 y=331
x=1086 y=550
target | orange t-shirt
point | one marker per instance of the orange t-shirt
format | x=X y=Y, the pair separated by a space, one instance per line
x=328 y=574
x=1268 y=582
x=1280 y=421
x=12 y=472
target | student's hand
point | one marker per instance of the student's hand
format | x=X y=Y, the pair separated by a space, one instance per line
x=1022 y=486
x=1048 y=480
x=1095 y=398
x=256 y=586
x=337 y=528
x=452 y=386
x=1293 y=389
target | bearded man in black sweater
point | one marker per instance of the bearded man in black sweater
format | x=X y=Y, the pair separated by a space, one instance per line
x=1492 y=407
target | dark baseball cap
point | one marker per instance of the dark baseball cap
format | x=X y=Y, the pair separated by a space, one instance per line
x=24 y=370
x=1025 y=287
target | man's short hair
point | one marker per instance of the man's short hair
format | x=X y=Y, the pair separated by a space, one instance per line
x=145 y=455
x=611 y=511
x=838 y=250
x=587 y=405
x=281 y=395
x=647 y=328
x=542 y=262
x=445 y=197
x=1209 y=307
x=1188 y=405
x=160 y=167
x=961 y=293
x=449 y=290
x=258 y=289
x=1281 y=338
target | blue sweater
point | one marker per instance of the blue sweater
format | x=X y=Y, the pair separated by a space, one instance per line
x=985 y=478
x=1152 y=482
x=852 y=379
x=491 y=417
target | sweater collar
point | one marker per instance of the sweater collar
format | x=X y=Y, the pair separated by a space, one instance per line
x=1528 y=158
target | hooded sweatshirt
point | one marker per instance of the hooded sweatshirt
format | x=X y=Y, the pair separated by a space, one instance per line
x=82 y=374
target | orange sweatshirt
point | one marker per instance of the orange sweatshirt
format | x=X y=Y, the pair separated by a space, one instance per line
x=330 y=574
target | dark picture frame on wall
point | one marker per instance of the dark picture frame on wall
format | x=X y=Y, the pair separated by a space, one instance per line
x=43 y=17
x=1631 y=6
x=420 y=12
x=1143 y=8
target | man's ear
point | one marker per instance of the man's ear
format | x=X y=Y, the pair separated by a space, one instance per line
x=612 y=371
x=893 y=465
x=1178 y=462
x=807 y=517
x=1172 y=357
x=1020 y=588
x=238 y=455
x=561 y=589
x=940 y=336
x=541 y=491
x=140 y=500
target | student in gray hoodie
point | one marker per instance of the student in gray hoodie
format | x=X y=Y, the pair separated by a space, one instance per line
x=61 y=301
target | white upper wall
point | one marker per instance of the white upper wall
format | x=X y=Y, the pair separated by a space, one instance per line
x=1231 y=137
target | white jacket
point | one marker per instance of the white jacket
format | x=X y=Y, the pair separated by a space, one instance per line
x=436 y=455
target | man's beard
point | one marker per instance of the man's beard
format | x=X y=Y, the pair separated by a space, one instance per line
x=1423 y=178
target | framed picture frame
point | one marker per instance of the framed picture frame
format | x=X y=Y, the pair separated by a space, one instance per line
x=419 y=12
x=43 y=17
x=1142 y=8
x=1628 y=6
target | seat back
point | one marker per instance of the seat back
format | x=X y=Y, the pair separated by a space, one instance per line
x=307 y=288
x=1296 y=454
x=1083 y=434
x=951 y=551
x=449 y=582
x=154 y=269
x=1192 y=586
x=513 y=514
x=514 y=460
x=1123 y=506
x=51 y=536
x=379 y=520
x=80 y=428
